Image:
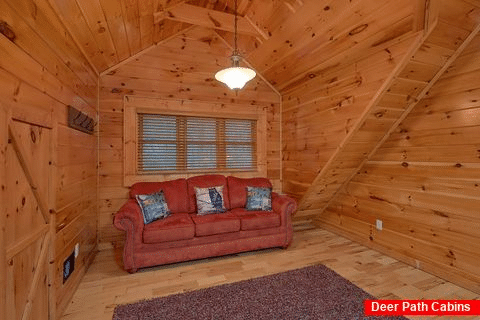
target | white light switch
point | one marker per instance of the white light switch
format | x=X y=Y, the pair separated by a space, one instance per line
x=379 y=224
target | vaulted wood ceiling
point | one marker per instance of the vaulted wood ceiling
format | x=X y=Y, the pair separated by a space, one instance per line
x=287 y=41
x=305 y=49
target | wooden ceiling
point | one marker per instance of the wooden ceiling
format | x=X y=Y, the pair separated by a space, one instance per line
x=286 y=41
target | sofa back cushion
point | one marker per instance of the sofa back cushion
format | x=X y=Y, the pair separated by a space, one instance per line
x=175 y=192
x=237 y=188
x=209 y=180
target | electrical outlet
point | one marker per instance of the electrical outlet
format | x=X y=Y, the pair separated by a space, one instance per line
x=417 y=263
x=379 y=224
x=77 y=249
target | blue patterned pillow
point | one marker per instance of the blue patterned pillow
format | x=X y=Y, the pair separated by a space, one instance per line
x=259 y=199
x=210 y=200
x=154 y=206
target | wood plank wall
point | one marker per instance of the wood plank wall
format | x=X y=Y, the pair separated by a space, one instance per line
x=3 y=207
x=320 y=112
x=41 y=72
x=181 y=68
x=424 y=182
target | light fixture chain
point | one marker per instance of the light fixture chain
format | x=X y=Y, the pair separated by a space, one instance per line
x=235 y=77
x=235 y=37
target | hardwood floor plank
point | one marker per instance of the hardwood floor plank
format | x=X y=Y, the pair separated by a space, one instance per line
x=106 y=284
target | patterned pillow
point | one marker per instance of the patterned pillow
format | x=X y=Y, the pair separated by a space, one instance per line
x=154 y=206
x=210 y=200
x=259 y=198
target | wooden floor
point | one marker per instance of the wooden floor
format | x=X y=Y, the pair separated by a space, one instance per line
x=107 y=285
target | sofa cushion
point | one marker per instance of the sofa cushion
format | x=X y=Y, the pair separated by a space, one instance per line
x=237 y=189
x=259 y=199
x=175 y=193
x=210 y=200
x=153 y=206
x=210 y=180
x=215 y=224
x=255 y=220
x=175 y=227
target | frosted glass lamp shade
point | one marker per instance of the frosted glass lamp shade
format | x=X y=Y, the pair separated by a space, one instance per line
x=235 y=77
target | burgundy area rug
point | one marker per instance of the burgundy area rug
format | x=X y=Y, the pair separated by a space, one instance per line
x=314 y=292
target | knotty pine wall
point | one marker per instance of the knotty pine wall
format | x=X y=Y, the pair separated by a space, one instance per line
x=41 y=72
x=424 y=183
x=318 y=113
x=180 y=68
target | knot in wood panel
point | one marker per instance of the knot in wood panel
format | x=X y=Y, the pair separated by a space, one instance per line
x=7 y=31
x=358 y=29
x=33 y=136
x=379 y=114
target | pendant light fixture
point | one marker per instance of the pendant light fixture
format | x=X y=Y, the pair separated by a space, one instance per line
x=235 y=77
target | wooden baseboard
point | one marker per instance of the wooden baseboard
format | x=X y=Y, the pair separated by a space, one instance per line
x=448 y=275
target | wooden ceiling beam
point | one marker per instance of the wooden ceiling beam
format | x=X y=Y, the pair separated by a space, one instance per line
x=209 y=18
x=425 y=15
x=244 y=5
x=161 y=5
x=420 y=15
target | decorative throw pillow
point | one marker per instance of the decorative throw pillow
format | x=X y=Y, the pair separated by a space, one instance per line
x=154 y=206
x=210 y=200
x=259 y=198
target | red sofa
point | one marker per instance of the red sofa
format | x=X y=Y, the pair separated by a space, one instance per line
x=184 y=235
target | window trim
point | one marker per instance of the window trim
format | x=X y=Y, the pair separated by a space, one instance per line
x=134 y=105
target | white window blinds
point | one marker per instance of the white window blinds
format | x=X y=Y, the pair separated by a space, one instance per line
x=184 y=143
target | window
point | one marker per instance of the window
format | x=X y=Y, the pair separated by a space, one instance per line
x=168 y=139
x=187 y=143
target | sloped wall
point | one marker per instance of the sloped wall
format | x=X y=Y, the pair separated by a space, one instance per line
x=319 y=113
x=181 y=68
x=41 y=72
x=424 y=183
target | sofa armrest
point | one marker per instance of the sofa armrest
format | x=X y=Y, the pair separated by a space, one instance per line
x=283 y=204
x=286 y=207
x=130 y=212
x=130 y=219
